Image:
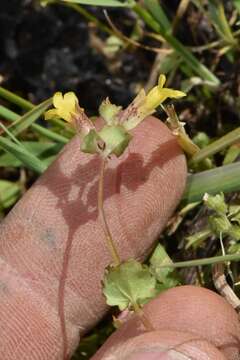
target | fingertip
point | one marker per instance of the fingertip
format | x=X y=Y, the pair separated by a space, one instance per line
x=187 y=309
x=162 y=345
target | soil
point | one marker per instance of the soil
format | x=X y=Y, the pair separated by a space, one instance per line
x=44 y=50
x=48 y=49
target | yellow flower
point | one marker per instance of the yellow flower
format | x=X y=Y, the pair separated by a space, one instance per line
x=65 y=106
x=158 y=95
x=144 y=105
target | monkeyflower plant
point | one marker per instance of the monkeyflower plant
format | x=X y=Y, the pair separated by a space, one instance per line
x=128 y=284
x=114 y=136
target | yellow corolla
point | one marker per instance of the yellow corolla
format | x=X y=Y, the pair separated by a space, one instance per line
x=158 y=95
x=145 y=104
x=65 y=106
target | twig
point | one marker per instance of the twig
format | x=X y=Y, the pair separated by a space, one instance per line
x=119 y=34
x=224 y=289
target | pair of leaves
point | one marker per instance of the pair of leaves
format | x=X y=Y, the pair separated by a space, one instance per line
x=132 y=283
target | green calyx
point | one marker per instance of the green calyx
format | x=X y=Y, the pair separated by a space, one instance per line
x=116 y=139
x=219 y=224
x=89 y=143
x=109 y=140
x=109 y=112
x=216 y=203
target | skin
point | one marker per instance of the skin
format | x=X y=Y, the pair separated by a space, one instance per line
x=56 y=221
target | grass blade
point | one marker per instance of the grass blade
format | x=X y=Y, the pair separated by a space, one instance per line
x=153 y=18
x=14 y=139
x=106 y=3
x=12 y=116
x=22 y=154
x=15 y=99
x=30 y=117
x=46 y=151
x=219 y=20
x=216 y=146
x=8 y=114
x=225 y=178
x=155 y=8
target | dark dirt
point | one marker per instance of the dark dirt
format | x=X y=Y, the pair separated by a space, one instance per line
x=48 y=49
x=44 y=50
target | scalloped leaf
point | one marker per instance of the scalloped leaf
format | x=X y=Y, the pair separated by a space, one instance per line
x=128 y=284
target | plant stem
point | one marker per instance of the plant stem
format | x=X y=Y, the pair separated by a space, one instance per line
x=110 y=243
x=146 y=322
x=205 y=261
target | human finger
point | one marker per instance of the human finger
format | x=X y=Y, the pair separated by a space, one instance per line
x=204 y=319
x=54 y=233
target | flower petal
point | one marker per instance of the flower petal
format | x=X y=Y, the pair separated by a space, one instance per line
x=174 y=94
x=51 y=114
x=161 y=80
x=65 y=114
x=154 y=98
x=70 y=100
x=57 y=99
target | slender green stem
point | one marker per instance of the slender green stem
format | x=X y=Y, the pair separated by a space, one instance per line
x=109 y=240
x=15 y=99
x=200 y=262
x=218 y=145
